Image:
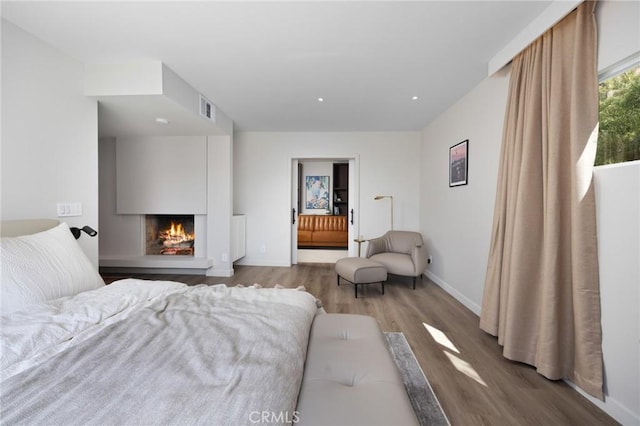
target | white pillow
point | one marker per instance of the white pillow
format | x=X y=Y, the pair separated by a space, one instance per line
x=43 y=266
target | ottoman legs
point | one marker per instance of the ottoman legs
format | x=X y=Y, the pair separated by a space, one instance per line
x=355 y=286
x=359 y=271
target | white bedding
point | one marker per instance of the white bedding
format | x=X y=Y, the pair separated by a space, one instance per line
x=41 y=330
x=156 y=353
x=43 y=266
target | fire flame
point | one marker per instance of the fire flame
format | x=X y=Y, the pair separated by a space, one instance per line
x=175 y=235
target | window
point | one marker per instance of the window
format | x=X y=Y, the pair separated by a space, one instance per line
x=619 y=137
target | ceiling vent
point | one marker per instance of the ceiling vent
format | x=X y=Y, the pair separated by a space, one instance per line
x=207 y=109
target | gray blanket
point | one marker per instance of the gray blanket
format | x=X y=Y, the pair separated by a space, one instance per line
x=198 y=357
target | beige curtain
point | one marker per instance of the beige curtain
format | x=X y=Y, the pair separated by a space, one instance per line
x=541 y=295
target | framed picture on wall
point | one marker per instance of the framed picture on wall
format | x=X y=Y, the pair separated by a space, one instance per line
x=459 y=163
x=317 y=192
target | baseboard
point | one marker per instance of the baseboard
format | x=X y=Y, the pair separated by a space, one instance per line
x=472 y=306
x=610 y=406
x=220 y=272
x=248 y=261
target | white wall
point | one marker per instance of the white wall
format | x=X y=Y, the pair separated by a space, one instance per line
x=49 y=134
x=618 y=208
x=133 y=78
x=220 y=204
x=457 y=222
x=618 y=31
x=389 y=163
x=122 y=236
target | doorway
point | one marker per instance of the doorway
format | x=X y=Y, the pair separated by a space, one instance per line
x=324 y=190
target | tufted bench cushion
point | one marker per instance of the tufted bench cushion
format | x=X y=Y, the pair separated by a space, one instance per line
x=350 y=377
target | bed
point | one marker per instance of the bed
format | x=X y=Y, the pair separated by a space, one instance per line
x=77 y=351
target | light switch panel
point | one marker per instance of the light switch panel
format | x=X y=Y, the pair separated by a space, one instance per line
x=69 y=209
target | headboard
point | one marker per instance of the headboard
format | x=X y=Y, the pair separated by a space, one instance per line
x=15 y=228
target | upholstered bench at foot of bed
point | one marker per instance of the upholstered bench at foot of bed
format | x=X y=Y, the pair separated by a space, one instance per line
x=358 y=270
x=350 y=377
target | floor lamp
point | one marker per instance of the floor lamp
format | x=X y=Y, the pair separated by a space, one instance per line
x=380 y=197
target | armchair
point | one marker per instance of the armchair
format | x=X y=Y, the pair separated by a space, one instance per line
x=401 y=252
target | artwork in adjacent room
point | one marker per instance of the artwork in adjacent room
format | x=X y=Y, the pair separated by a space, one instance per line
x=317 y=192
x=459 y=163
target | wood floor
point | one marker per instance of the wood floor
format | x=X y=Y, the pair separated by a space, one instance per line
x=473 y=382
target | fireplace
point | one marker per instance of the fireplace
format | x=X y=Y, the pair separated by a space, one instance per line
x=172 y=235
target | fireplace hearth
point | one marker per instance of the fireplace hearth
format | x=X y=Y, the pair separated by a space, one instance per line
x=171 y=235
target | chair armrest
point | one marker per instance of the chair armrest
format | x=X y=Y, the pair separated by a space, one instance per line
x=376 y=245
x=419 y=257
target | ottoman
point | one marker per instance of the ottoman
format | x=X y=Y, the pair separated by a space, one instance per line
x=359 y=270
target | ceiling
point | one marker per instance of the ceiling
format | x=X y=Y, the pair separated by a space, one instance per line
x=265 y=64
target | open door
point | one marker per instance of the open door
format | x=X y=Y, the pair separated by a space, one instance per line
x=351 y=204
x=295 y=208
x=353 y=213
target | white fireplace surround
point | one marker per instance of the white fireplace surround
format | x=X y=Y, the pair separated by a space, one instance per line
x=138 y=258
x=198 y=168
x=161 y=175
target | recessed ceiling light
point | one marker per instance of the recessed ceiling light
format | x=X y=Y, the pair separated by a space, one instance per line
x=320 y=99
x=162 y=120
x=415 y=98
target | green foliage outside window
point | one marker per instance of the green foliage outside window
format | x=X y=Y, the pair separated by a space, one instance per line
x=619 y=137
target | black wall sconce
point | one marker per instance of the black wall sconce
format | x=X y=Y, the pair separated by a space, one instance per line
x=86 y=229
